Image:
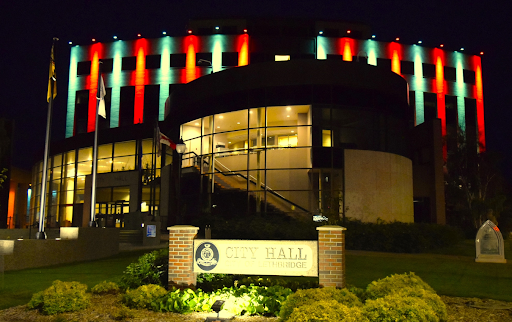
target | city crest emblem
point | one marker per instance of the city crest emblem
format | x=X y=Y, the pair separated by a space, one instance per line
x=207 y=256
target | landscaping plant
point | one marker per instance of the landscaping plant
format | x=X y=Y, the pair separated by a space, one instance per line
x=150 y=268
x=105 y=288
x=61 y=297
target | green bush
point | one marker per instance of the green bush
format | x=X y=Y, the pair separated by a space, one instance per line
x=150 y=268
x=395 y=283
x=326 y=311
x=143 y=296
x=105 y=288
x=303 y=297
x=399 y=237
x=432 y=299
x=61 y=297
x=395 y=307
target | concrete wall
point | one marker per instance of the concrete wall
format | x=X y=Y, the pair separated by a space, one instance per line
x=24 y=233
x=378 y=185
x=92 y=243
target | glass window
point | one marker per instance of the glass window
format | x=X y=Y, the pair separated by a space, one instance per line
x=326 y=138
x=68 y=197
x=105 y=151
x=57 y=172
x=124 y=163
x=69 y=170
x=80 y=182
x=124 y=148
x=57 y=160
x=79 y=196
x=70 y=157
x=207 y=125
x=84 y=168
x=191 y=130
x=257 y=117
x=85 y=154
x=121 y=193
x=104 y=165
x=147 y=146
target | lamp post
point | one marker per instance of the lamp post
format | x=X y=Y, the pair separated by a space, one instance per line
x=180 y=148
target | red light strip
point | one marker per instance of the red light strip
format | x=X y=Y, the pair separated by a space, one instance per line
x=395 y=52
x=95 y=53
x=139 y=78
x=243 y=50
x=191 y=45
x=347 y=48
x=440 y=89
x=479 y=94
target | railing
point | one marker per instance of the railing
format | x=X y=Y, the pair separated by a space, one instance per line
x=253 y=180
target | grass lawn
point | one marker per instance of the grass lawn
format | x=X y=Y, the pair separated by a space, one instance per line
x=17 y=287
x=447 y=273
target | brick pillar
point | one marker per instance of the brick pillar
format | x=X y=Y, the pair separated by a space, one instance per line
x=181 y=255
x=331 y=256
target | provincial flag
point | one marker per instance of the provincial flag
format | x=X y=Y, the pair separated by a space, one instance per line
x=101 y=99
x=52 y=77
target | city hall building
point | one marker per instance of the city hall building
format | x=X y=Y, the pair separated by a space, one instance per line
x=307 y=118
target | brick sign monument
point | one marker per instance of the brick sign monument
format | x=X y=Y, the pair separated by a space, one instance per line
x=324 y=258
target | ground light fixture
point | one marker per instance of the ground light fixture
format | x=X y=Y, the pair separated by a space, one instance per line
x=217 y=307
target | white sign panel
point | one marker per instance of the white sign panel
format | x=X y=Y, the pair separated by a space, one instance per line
x=256 y=257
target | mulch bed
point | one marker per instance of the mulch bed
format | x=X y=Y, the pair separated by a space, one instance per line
x=109 y=308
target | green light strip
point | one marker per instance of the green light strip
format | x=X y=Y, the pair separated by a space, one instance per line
x=460 y=89
x=119 y=50
x=370 y=48
x=72 y=88
x=164 y=74
x=321 y=46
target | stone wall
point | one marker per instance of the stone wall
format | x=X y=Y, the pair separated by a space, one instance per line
x=92 y=243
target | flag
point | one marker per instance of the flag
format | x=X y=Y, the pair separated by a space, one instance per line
x=52 y=77
x=101 y=99
x=163 y=139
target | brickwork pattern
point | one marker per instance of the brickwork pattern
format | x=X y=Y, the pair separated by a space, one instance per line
x=181 y=256
x=331 y=256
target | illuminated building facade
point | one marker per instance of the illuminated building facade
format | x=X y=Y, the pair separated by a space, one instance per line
x=324 y=119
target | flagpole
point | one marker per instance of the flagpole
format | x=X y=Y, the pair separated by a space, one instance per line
x=93 y=223
x=42 y=205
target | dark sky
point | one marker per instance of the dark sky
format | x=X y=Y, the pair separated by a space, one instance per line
x=27 y=29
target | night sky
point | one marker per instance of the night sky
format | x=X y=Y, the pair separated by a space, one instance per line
x=27 y=29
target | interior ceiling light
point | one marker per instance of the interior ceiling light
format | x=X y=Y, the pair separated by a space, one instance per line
x=288 y=108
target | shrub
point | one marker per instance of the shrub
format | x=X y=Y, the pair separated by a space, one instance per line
x=209 y=282
x=150 y=268
x=395 y=283
x=395 y=307
x=326 y=310
x=143 y=296
x=303 y=297
x=183 y=301
x=61 y=297
x=105 y=288
x=433 y=300
x=399 y=237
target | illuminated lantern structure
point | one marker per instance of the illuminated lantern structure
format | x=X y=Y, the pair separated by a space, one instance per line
x=309 y=118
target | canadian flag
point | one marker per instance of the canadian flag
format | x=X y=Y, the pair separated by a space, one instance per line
x=163 y=139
